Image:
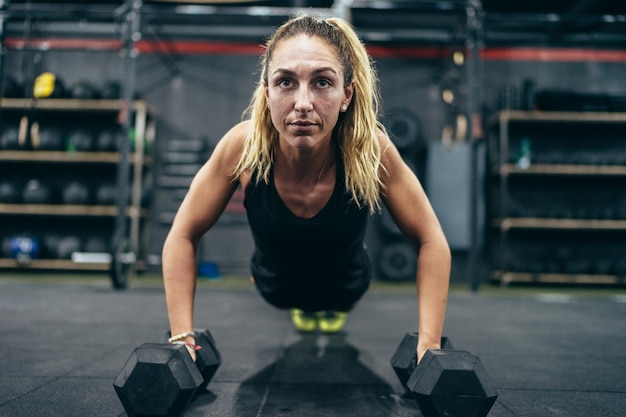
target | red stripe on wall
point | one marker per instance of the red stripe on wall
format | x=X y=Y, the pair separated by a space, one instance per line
x=377 y=51
x=553 y=54
x=63 y=43
x=424 y=52
x=198 y=47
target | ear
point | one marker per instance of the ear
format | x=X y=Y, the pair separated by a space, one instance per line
x=267 y=93
x=348 y=92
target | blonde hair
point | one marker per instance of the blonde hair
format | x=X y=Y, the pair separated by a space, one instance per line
x=357 y=129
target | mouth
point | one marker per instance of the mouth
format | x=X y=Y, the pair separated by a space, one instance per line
x=302 y=126
x=302 y=123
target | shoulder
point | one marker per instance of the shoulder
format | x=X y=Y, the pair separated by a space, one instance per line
x=388 y=151
x=236 y=136
x=230 y=146
x=391 y=161
x=229 y=151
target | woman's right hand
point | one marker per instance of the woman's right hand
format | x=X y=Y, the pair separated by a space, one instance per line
x=192 y=351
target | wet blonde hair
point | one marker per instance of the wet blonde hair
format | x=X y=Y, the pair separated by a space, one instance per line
x=357 y=129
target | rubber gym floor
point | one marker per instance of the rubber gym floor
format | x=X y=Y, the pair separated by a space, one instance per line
x=549 y=351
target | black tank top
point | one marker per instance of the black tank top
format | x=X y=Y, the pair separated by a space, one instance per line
x=313 y=264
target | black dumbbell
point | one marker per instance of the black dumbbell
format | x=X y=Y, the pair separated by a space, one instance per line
x=160 y=379
x=446 y=382
x=404 y=359
x=208 y=358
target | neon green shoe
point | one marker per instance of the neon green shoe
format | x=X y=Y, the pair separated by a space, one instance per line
x=303 y=321
x=331 y=321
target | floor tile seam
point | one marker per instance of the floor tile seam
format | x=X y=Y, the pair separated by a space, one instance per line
x=280 y=353
x=280 y=383
x=556 y=390
x=48 y=382
x=54 y=379
x=507 y=408
x=85 y=377
x=333 y=384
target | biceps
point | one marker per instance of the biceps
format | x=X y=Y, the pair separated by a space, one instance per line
x=410 y=208
x=205 y=201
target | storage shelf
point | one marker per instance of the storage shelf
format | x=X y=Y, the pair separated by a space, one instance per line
x=64 y=264
x=526 y=277
x=67 y=210
x=556 y=224
x=70 y=157
x=73 y=105
x=53 y=264
x=558 y=117
x=560 y=169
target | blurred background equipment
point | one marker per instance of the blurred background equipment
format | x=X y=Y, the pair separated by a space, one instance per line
x=49 y=85
x=24 y=248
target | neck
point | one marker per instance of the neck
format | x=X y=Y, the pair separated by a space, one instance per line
x=304 y=169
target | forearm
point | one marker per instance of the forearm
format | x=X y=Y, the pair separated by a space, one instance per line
x=433 y=278
x=179 y=279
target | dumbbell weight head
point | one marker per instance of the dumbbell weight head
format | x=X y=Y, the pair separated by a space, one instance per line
x=108 y=140
x=9 y=192
x=404 y=359
x=84 y=90
x=6 y=247
x=106 y=194
x=10 y=138
x=111 y=90
x=50 y=245
x=452 y=383
x=11 y=88
x=208 y=358
x=158 y=379
x=49 y=139
x=24 y=248
x=67 y=245
x=37 y=192
x=76 y=193
x=95 y=244
x=80 y=140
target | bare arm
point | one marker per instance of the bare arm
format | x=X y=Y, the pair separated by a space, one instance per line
x=208 y=195
x=408 y=204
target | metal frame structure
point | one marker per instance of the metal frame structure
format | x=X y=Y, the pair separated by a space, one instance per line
x=444 y=22
x=426 y=22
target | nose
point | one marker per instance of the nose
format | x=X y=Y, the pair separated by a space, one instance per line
x=304 y=103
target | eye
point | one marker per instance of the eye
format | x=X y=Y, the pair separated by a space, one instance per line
x=323 y=83
x=284 y=83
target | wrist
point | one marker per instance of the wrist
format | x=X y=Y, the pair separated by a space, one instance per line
x=183 y=337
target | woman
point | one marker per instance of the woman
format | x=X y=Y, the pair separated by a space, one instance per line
x=314 y=164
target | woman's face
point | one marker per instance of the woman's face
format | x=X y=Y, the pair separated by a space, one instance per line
x=306 y=91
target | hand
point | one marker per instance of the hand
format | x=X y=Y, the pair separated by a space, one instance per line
x=422 y=348
x=192 y=352
x=420 y=354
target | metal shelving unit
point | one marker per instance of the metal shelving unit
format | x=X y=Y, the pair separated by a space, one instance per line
x=117 y=27
x=558 y=221
x=133 y=210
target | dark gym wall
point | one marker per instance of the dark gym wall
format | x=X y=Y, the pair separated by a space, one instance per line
x=202 y=96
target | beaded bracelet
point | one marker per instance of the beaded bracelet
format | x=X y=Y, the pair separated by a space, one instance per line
x=191 y=345
x=181 y=336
